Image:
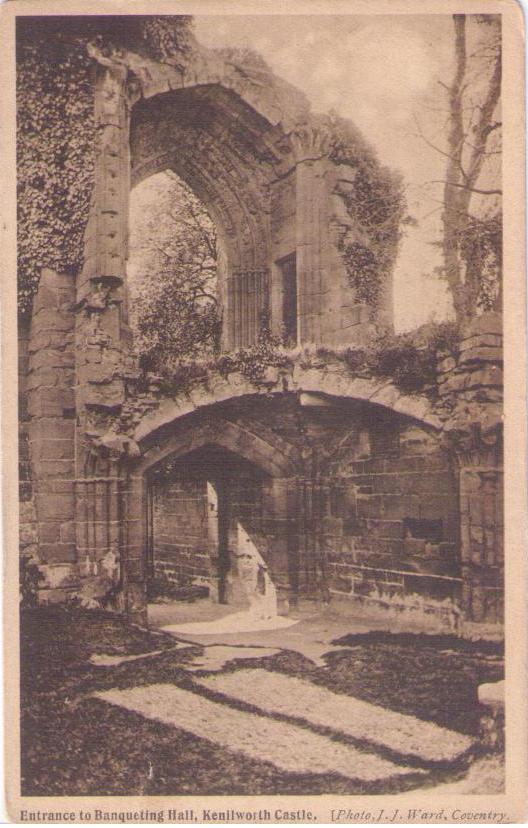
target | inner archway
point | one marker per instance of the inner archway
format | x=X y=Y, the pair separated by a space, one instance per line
x=210 y=536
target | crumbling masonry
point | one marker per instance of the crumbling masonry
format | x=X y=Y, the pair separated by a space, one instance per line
x=346 y=486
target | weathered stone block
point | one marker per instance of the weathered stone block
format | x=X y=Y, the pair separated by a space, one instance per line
x=26 y=512
x=54 y=507
x=64 y=469
x=50 y=402
x=57 y=552
x=49 y=532
x=27 y=534
x=107 y=396
x=51 y=450
x=51 y=429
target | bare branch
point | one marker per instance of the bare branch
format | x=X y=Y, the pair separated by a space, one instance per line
x=467 y=187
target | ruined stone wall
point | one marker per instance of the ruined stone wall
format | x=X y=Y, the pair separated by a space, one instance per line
x=50 y=427
x=28 y=530
x=356 y=498
x=180 y=539
x=375 y=508
x=471 y=389
x=392 y=513
x=182 y=549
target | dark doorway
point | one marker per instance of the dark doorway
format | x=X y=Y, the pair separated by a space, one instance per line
x=194 y=507
x=288 y=269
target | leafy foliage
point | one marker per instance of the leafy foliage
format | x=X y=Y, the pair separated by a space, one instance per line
x=172 y=276
x=410 y=360
x=167 y=38
x=363 y=273
x=55 y=134
x=472 y=210
x=55 y=128
x=252 y=362
x=376 y=205
x=480 y=246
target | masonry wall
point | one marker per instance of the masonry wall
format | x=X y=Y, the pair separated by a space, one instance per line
x=180 y=539
x=374 y=513
x=49 y=422
x=183 y=549
x=472 y=390
x=391 y=524
x=28 y=529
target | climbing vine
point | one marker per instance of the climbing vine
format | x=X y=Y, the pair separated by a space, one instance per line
x=376 y=205
x=55 y=128
x=252 y=362
x=55 y=131
x=363 y=272
x=409 y=360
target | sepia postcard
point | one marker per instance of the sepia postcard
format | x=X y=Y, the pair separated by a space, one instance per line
x=264 y=411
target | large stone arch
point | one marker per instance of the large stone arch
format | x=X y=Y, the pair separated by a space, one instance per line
x=318 y=381
x=206 y=416
x=178 y=439
x=213 y=141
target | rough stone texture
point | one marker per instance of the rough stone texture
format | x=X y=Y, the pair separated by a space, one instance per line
x=364 y=502
x=472 y=394
x=491 y=698
x=50 y=427
x=180 y=539
x=28 y=529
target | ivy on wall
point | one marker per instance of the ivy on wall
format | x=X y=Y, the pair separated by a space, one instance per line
x=376 y=206
x=409 y=360
x=55 y=128
x=363 y=272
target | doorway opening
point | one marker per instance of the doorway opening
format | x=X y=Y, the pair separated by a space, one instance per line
x=207 y=550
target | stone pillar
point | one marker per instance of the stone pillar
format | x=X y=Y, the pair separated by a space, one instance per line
x=213 y=539
x=51 y=431
x=472 y=387
x=101 y=331
x=312 y=229
x=280 y=506
x=133 y=547
x=99 y=531
x=110 y=544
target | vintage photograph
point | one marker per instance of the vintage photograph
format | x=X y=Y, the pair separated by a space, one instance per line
x=260 y=399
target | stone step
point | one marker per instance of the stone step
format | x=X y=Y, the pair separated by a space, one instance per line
x=290 y=696
x=287 y=746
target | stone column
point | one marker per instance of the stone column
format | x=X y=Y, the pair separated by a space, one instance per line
x=312 y=229
x=472 y=387
x=51 y=431
x=101 y=331
x=109 y=544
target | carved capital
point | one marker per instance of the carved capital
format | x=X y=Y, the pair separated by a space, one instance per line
x=311 y=140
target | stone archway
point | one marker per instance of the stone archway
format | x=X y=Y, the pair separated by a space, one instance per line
x=277 y=463
x=363 y=496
